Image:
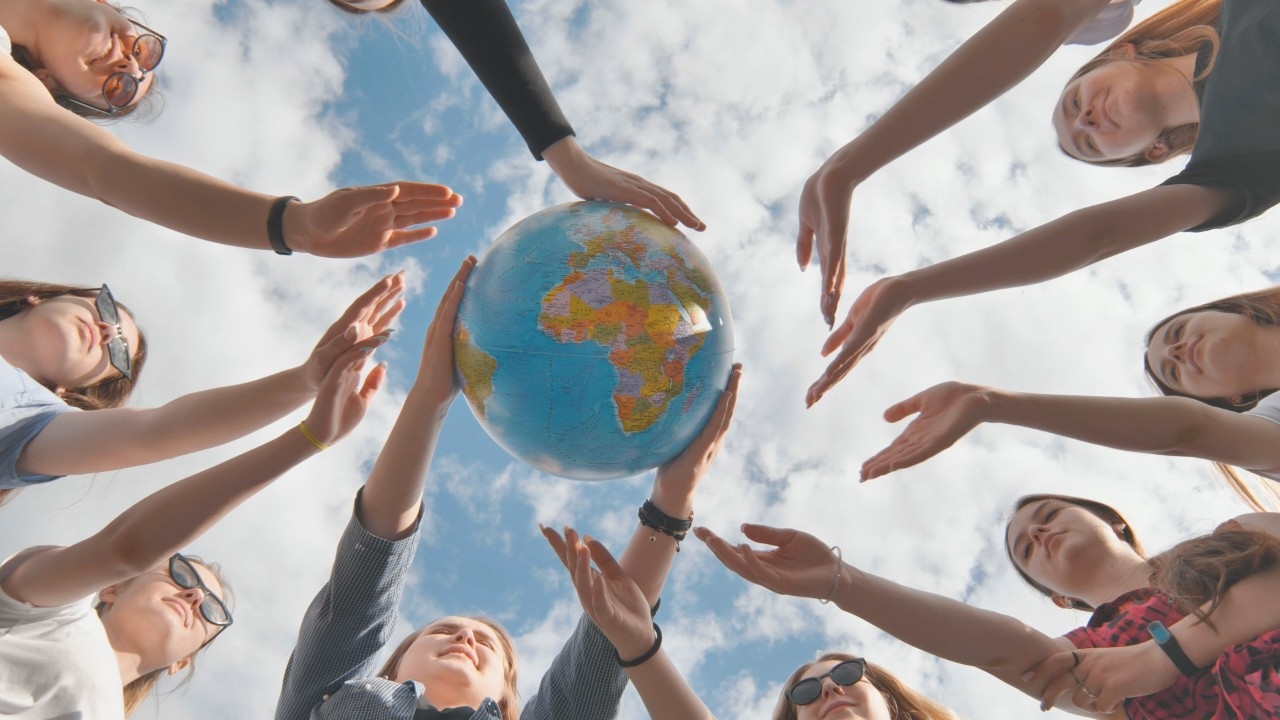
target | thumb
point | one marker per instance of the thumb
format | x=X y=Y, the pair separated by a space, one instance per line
x=910 y=406
x=766 y=534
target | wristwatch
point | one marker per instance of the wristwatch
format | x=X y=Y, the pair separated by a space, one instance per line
x=1169 y=644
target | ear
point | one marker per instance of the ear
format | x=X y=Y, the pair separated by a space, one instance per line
x=1123 y=51
x=1158 y=150
x=108 y=595
x=1237 y=400
x=33 y=300
x=1063 y=602
x=182 y=664
x=1119 y=528
x=47 y=80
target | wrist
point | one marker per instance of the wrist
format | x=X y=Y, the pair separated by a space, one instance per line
x=674 y=501
x=431 y=398
x=562 y=152
x=848 y=166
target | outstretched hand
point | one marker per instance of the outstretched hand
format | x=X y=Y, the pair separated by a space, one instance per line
x=590 y=179
x=343 y=400
x=437 y=381
x=353 y=222
x=1099 y=679
x=824 y=223
x=682 y=473
x=609 y=596
x=948 y=411
x=799 y=564
x=871 y=315
x=366 y=323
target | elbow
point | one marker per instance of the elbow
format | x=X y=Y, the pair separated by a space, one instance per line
x=1186 y=431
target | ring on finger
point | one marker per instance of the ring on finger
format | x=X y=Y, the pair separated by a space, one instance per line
x=1085 y=690
x=1075 y=677
x=1075 y=657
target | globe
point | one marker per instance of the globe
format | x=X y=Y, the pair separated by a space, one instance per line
x=592 y=341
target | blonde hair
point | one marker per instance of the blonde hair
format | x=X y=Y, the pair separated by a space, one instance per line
x=509 y=703
x=1263 y=308
x=1180 y=29
x=904 y=702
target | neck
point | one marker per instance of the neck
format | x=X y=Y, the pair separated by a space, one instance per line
x=1117 y=576
x=18 y=17
x=1267 y=349
x=1182 y=107
x=15 y=348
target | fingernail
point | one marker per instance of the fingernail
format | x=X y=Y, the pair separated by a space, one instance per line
x=366 y=350
x=389 y=332
x=349 y=332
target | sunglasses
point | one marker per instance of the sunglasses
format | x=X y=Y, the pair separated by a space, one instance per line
x=119 y=89
x=117 y=347
x=846 y=673
x=184 y=574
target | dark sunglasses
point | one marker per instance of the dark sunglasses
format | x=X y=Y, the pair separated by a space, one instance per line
x=846 y=673
x=117 y=347
x=119 y=89
x=184 y=574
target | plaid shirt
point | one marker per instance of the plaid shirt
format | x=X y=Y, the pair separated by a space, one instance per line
x=330 y=674
x=1243 y=684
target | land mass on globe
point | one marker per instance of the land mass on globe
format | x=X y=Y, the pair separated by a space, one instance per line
x=476 y=367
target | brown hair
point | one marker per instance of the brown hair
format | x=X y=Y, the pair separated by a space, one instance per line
x=1201 y=570
x=509 y=702
x=108 y=393
x=140 y=688
x=1102 y=511
x=1180 y=29
x=904 y=702
x=1263 y=308
x=353 y=10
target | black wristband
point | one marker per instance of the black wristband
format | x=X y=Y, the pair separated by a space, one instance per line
x=1169 y=644
x=275 y=225
x=657 y=645
x=653 y=518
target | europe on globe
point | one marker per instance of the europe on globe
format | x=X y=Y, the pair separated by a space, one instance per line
x=593 y=341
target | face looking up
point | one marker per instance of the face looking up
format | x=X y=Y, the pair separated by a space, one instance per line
x=157 y=619
x=68 y=341
x=459 y=660
x=1061 y=545
x=90 y=52
x=1211 y=354
x=859 y=701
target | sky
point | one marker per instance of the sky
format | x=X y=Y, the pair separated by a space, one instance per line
x=731 y=104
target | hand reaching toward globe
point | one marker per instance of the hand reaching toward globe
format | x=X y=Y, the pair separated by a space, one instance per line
x=947 y=412
x=869 y=317
x=677 y=480
x=824 y=226
x=436 y=383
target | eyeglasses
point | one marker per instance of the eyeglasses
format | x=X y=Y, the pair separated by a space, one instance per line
x=184 y=574
x=119 y=89
x=117 y=347
x=846 y=673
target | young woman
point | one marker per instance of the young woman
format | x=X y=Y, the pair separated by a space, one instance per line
x=65 y=349
x=91 y=57
x=486 y=34
x=1217 y=363
x=1131 y=104
x=462 y=666
x=1146 y=652
x=66 y=654
x=844 y=687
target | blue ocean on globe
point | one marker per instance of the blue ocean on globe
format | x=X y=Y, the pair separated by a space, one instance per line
x=593 y=341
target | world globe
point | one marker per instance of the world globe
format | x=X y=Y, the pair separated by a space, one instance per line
x=592 y=341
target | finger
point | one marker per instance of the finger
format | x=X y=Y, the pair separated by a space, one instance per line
x=804 y=246
x=718 y=424
x=408 y=191
x=833 y=280
x=728 y=555
x=425 y=215
x=840 y=334
x=903 y=453
x=349 y=202
x=400 y=238
x=680 y=210
x=1059 y=685
x=373 y=383
x=360 y=308
x=1052 y=666
x=767 y=535
x=643 y=198
x=900 y=410
x=381 y=324
x=556 y=542
x=604 y=560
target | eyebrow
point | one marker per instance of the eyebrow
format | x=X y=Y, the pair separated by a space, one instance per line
x=1021 y=535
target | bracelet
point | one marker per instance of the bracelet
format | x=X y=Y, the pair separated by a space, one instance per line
x=275 y=225
x=839 y=566
x=654 y=519
x=1169 y=644
x=657 y=644
x=306 y=433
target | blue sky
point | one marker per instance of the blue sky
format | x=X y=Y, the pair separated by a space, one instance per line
x=732 y=104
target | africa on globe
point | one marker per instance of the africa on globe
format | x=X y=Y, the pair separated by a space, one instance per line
x=593 y=341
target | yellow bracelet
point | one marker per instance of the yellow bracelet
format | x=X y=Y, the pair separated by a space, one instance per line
x=306 y=433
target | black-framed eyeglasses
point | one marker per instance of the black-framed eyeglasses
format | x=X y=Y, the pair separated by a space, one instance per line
x=118 y=346
x=119 y=89
x=184 y=574
x=809 y=689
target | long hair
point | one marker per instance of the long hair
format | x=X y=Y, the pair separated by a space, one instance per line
x=904 y=702
x=1180 y=29
x=1263 y=308
x=1201 y=570
x=141 y=688
x=509 y=703
x=1102 y=511
x=108 y=393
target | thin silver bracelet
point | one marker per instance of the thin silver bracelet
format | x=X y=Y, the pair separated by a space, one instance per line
x=839 y=566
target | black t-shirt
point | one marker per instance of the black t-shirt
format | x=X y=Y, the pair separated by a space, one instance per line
x=1238 y=146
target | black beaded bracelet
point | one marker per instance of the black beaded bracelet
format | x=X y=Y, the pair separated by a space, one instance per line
x=275 y=225
x=657 y=645
x=653 y=518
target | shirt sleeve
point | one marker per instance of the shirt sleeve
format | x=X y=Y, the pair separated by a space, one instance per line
x=1251 y=179
x=350 y=619
x=584 y=682
x=486 y=34
x=1108 y=23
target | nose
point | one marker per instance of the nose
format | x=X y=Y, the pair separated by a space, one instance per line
x=1087 y=118
x=1038 y=533
x=1177 y=351
x=464 y=635
x=108 y=331
x=831 y=687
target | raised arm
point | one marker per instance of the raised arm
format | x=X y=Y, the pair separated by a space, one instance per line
x=486 y=34
x=167 y=520
x=1158 y=425
x=52 y=143
x=802 y=565
x=995 y=59
x=101 y=440
x=1071 y=242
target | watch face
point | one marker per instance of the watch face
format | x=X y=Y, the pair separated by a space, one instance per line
x=1159 y=632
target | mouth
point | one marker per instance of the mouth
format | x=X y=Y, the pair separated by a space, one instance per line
x=1192 y=351
x=108 y=56
x=179 y=607
x=1051 y=543
x=462 y=650
x=88 y=332
x=842 y=703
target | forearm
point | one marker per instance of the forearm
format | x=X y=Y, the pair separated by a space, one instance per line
x=393 y=492
x=1246 y=611
x=649 y=554
x=665 y=692
x=125 y=437
x=952 y=630
x=991 y=62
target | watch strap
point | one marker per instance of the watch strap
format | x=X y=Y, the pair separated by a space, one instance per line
x=1169 y=644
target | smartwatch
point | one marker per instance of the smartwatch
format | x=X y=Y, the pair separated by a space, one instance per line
x=1169 y=644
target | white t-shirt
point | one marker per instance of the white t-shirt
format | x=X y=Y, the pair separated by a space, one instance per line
x=26 y=407
x=6 y=47
x=1269 y=408
x=56 y=663
x=1110 y=22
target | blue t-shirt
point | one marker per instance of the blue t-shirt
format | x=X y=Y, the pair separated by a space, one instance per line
x=26 y=407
